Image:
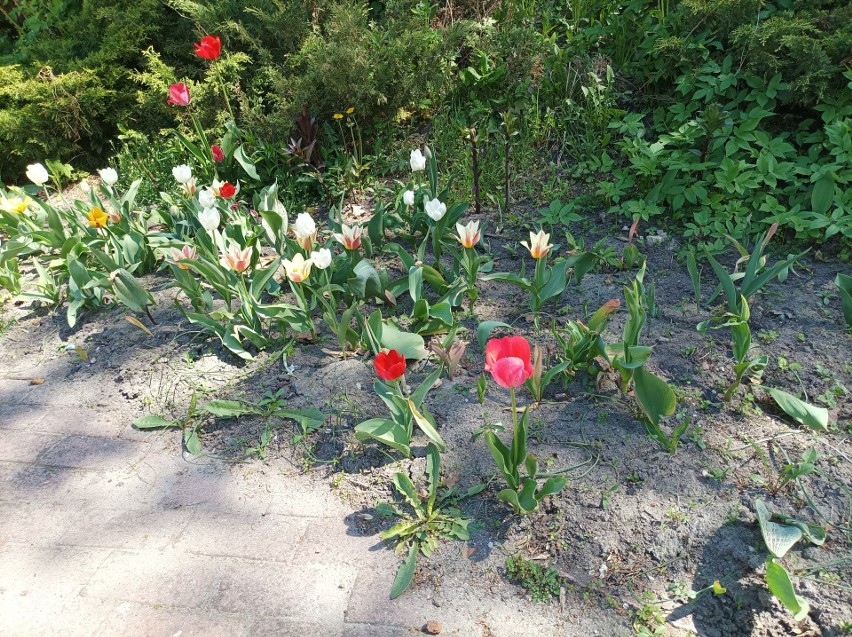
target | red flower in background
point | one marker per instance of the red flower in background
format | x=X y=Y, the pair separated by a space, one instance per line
x=179 y=94
x=508 y=360
x=389 y=365
x=218 y=154
x=227 y=190
x=209 y=48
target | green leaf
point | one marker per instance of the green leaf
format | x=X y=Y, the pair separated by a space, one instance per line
x=409 y=345
x=778 y=581
x=654 y=395
x=426 y=426
x=191 y=441
x=552 y=486
x=405 y=573
x=503 y=457
x=822 y=194
x=129 y=291
x=406 y=488
x=484 y=329
x=154 y=422
x=779 y=538
x=433 y=471
x=692 y=268
x=844 y=286
x=385 y=431
x=228 y=408
x=800 y=411
x=526 y=496
x=419 y=394
x=582 y=264
x=510 y=496
x=365 y=282
x=725 y=280
x=245 y=162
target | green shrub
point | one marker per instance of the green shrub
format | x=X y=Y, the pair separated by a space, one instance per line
x=48 y=116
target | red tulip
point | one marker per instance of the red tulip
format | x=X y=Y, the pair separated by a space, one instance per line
x=209 y=48
x=179 y=94
x=218 y=154
x=508 y=360
x=227 y=190
x=389 y=365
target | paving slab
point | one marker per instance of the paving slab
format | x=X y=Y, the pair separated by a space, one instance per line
x=281 y=627
x=272 y=538
x=314 y=593
x=25 y=446
x=92 y=452
x=157 y=577
x=143 y=620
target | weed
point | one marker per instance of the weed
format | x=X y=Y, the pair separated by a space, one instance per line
x=542 y=584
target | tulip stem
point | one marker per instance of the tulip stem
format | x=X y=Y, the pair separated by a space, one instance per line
x=225 y=95
x=514 y=411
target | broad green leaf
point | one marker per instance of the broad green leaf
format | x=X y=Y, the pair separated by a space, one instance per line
x=154 y=422
x=484 y=329
x=778 y=581
x=779 y=538
x=245 y=162
x=800 y=411
x=385 y=431
x=725 y=281
x=822 y=194
x=526 y=496
x=407 y=489
x=552 y=486
x=191 y=441
x=654 y=395
x=405 y=573
x=503 y=457
x=433 y=472
x=409 y=345
x=228 y=408
x=510 y=496
x=419 y=394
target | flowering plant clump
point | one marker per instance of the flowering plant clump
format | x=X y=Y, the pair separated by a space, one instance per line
x=510 y=364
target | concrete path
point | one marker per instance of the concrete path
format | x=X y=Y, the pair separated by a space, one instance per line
x=105 y=531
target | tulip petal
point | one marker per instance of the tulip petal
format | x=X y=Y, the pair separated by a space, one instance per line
x=509 y=372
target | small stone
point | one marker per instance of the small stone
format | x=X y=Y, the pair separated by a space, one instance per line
x=433 y=627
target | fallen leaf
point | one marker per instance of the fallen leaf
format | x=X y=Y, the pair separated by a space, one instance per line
x=432 y=627
x=83 y=354
x=468 y=551
x=37 y=381
x=136 y=322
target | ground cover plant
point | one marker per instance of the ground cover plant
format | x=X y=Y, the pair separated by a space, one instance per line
x=403 y=274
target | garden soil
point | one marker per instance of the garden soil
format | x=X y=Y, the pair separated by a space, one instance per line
x=633 y=533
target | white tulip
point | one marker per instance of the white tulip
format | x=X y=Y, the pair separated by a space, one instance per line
x=417 y=161
x=436 y=209
x=321 y=258
x=209 y=218
x=85 y=187
x=304 y=226
x=182 y=173
x=408 y=198
x=37 y=174
x=206 y=198
x=108 y=175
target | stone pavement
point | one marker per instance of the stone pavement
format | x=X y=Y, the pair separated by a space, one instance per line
x=105 y=530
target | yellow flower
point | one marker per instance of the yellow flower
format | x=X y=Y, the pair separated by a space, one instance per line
x=350 y=110
x=15 y=205
x=97 y=218
x=338 y=116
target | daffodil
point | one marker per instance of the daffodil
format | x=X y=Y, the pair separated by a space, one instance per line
x=97 y=217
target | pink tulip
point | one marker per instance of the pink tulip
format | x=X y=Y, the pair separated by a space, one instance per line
x=179 y=94
x=236 y=259
x=509 y=361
